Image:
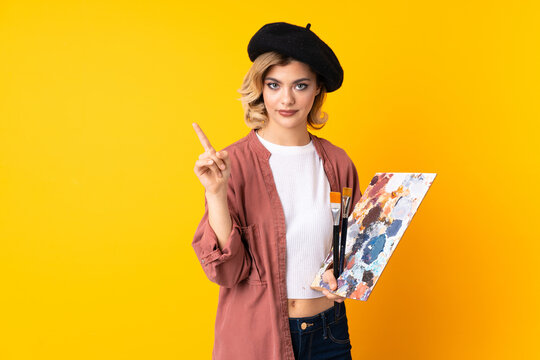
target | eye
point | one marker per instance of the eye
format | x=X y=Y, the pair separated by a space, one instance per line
x=304 y=86
x=270 y=85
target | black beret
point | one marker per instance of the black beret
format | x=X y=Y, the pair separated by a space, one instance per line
x=303 y=45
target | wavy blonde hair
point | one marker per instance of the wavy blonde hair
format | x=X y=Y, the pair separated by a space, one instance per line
x=255 y=114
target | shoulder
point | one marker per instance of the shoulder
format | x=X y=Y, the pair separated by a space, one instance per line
x=239 y=150
x=243 y=159
x=333 y=152
x=238 y=145
x=344 y=167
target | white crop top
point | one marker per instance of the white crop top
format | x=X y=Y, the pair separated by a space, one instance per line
x=304 y=191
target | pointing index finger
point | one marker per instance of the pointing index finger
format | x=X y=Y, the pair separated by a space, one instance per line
x=202 y=137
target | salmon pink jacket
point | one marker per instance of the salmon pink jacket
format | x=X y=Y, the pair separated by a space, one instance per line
x=252 y=321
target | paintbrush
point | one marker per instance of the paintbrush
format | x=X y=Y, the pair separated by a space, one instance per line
x=335 y=204
x=345 y=206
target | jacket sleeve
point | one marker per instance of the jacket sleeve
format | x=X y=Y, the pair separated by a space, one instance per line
x=230 y=265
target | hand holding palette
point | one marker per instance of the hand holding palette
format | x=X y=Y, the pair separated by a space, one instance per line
x=375 y=227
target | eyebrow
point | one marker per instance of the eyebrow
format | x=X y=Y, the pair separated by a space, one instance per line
x=294 y=82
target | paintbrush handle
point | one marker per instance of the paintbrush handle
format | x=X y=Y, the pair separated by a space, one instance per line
x=343 y=242
x=335 y=244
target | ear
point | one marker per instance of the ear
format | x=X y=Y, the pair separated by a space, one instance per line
x=318 y=90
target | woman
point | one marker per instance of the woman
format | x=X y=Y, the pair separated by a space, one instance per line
x=267 y=225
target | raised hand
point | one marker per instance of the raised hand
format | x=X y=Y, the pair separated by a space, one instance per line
x=213 y=167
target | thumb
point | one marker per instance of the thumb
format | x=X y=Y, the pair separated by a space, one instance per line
x=224 y=155
x=329 y=278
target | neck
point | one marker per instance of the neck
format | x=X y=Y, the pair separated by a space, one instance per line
x=287 y=137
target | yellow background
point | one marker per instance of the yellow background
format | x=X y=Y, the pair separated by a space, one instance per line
x=99 y=203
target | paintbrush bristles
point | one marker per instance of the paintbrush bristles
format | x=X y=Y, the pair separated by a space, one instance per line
x=347 y=191
x=335 y=197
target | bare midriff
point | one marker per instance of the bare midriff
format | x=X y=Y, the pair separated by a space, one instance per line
x=309 y=307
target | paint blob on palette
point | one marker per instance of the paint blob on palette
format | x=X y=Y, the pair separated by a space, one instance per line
x=375 y=227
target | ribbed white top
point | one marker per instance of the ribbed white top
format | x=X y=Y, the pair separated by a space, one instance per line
x=304 y=192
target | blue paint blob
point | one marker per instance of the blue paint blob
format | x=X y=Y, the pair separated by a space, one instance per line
x=359 y=241
x=373 y=248
x=394 y=227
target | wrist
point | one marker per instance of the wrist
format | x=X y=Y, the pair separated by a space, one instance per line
x=218 y=195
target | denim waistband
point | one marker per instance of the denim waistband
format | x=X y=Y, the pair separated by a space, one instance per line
x=309 y=324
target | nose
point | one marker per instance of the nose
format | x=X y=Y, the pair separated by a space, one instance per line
x=287 y=97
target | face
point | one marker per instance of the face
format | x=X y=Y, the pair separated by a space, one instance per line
x=289 y=87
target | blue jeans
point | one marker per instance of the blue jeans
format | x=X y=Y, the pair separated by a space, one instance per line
x=323 y=336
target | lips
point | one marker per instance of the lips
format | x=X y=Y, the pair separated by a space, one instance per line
x=287 y=112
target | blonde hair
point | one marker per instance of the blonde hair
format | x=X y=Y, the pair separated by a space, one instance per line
x=255 y=114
